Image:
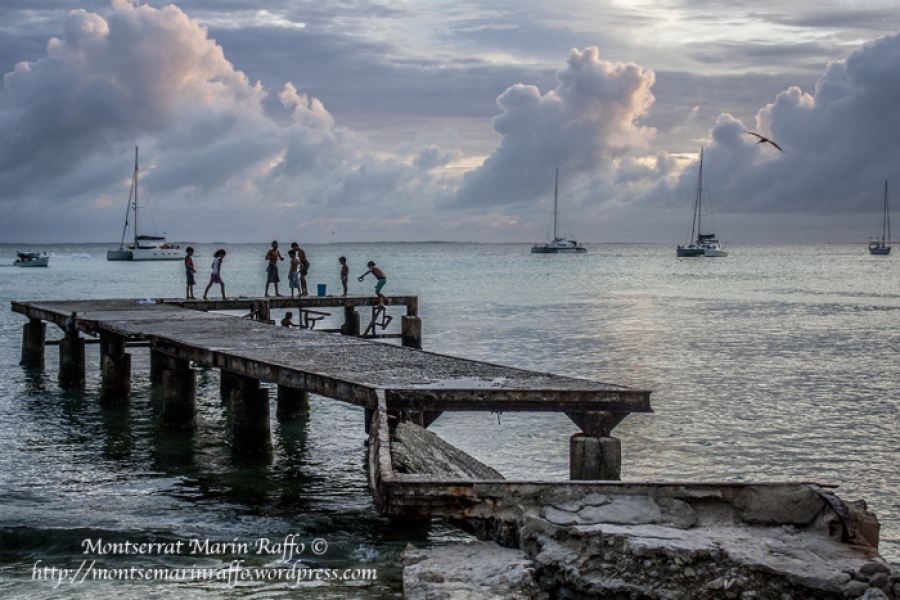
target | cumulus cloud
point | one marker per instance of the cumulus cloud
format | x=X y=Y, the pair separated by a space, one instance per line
x=154 y=77
x=840 y=143
x=590 y=118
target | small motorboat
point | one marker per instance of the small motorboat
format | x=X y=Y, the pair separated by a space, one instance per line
x=32 y=259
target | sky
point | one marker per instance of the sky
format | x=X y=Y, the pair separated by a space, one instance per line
x=419 y=120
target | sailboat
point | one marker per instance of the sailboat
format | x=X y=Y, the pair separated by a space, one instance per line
x=705 y=244
x=558 y=245
x=144 y=247
x=883 y=246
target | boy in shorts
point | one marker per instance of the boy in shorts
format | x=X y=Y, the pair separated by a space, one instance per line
x=189 y=271
x=345 y=273
x=293 y=275
x=381 y=280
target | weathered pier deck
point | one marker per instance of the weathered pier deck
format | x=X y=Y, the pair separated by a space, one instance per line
x=404 y=382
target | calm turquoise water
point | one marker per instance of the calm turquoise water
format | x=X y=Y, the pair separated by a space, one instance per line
x=776 y=363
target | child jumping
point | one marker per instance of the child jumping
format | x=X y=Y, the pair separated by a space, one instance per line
x=216 y=275
x=381 y=280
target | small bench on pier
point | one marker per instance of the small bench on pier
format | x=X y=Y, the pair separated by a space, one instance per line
x=392 y=383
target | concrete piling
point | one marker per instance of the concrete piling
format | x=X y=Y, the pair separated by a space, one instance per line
x=351 y=324
x=411 y=331
x=179 y=382
x=115 y=366
x=71 y=360
x=33 y=335
x=228 y=382
x=594 y=458
x=293 y=403
x=159 y=362
x=250 y=419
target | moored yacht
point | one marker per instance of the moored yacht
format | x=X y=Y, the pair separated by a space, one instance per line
x=558 y=245
x=704 y=244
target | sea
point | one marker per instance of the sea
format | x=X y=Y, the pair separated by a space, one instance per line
x=777 y=363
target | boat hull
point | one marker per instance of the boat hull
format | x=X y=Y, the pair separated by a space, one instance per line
x=146 y=254
x=120 y=254
x=43 y=261
x=546 y=250
x=714 y=253
x=880 y=250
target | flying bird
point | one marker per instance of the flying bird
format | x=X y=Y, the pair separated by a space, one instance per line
x=764 y=140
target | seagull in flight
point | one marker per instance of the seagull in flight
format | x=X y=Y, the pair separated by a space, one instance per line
x=763 y=139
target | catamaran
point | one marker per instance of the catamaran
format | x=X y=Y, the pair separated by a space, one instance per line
x=144 y=247
x=883 y=246
x=705 y=244
x=558 y=245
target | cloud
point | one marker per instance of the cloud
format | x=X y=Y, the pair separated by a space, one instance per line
x=840 y=143
x=210 y=151
x=581 y=125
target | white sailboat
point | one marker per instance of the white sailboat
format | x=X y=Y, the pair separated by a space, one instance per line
x=558 y=245
x=32 y=259
x=144 y=247
x=705 y=244
x=883 y=246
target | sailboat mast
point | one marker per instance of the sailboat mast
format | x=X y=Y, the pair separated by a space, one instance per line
x=555 y=204
x=886 y=221
x=134 y=184
x=700 y=196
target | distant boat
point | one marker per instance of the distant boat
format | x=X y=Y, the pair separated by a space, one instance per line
x=558 y=245
x=144 y=247
x=705 y=244
x=883 y=246
x=32 y=259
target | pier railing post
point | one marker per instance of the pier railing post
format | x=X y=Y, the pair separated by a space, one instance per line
x=115 y=366
x=71 y=360
x=411 y=331
x=351 y=324
x=250 y=419
x=33 y=343
x=179 y=382
x=293 y=403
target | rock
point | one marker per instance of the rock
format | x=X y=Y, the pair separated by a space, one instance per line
x=864 y=522
x=873 y=594
x=474 y=570
x=779 y=505
x=873 y=568
x=880 y=581
x=854 y=589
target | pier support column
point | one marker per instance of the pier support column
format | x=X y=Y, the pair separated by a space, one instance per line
x=228 y=382
x=250 y=418
x=71 y=360
x=159 y=362
x=33 y=343
x=115 y=365
x=351 y=321
x=411 y=330
x=594 y=458
x=293 y=403
x=179 y=403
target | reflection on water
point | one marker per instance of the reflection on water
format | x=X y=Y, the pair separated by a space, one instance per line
x=775 y=363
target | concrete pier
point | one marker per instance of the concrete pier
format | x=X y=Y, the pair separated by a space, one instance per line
x=158 y=363
x=595 y=458
x=250 y=420
x=115 y=366
x=71 y=360
x=411 y=331
x=179 y=383
x=293 y=403
x=351 y=324
x=33 y=335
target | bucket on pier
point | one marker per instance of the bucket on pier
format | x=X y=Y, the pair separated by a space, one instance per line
x=322 y=288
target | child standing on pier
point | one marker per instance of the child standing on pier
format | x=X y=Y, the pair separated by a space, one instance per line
x=189 y=271
x=345 y=273
x=293 y=275
x=273 y=256
x=381 y=280
x=303 y=268
x=216 y=275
